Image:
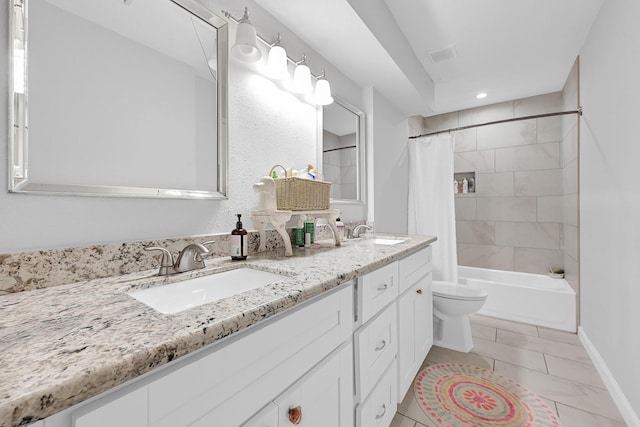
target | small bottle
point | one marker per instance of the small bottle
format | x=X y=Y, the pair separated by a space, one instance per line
x=472 y=185
x=309 y=228
x=455 y=187
x=239 y=246
x=340 y=227
x=465 y=186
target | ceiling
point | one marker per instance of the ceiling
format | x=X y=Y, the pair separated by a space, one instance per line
x=509 y=49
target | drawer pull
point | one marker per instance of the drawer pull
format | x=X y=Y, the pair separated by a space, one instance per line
x=295 y=415
x=384 y=411
x=380 y=346
x=383 y=287
x=419 y=291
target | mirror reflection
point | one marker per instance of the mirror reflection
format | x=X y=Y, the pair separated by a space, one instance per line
x=343 y=150
x=126 y=98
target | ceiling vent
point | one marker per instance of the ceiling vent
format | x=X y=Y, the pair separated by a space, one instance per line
x=443 y=54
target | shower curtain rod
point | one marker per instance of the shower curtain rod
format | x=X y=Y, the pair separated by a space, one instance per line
x=515 y=119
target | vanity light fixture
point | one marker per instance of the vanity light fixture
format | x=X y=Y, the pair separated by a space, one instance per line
x=481 y=95
x=302 y=77
x=322 y=93
x=277 y=61
x=246 y=46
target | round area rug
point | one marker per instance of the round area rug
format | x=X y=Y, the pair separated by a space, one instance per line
x=453 y=395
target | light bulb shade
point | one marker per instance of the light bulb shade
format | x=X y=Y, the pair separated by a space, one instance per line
x=302 y=79
x=277 y=63
x=322 y=94
x=246 y=47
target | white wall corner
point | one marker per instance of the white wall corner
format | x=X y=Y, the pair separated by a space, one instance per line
x=618 y=396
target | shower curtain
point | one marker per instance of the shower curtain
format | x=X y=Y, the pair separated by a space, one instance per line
x=431 y=200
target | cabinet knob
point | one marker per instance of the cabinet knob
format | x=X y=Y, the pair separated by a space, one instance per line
x=384 y=411
x=295 y=415
x=419 y=291
x=383 y=287
x=380 y=346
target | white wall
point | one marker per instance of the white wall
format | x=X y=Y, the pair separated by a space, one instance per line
x=610 y=194
x=266 y=126
x=388 y=141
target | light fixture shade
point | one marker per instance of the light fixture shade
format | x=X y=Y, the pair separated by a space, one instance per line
x=246 y=46
x=277 y=63
x=302 y=79
x=322 y=94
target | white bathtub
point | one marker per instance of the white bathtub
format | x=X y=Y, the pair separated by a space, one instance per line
x=523 y=297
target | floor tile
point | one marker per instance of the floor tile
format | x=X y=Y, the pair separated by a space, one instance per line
x=482 y=331
x=572 y=417
x=543 y=345
x=410 y=408
x=508 y=325
x=507 y=353
x=559 y=336
x=561 y=390
x=402 y=421
x=584 y=373
x=443 y=355
x=551 y=404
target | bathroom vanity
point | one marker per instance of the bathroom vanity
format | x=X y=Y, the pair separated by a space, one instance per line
x=285 y=353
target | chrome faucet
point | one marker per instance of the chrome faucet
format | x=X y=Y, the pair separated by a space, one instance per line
x=356 y=230
x=190 y=258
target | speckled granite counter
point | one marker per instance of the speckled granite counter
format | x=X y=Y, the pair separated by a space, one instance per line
x=62 y=345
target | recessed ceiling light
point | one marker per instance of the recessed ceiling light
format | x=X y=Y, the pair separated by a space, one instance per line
x=481 y=95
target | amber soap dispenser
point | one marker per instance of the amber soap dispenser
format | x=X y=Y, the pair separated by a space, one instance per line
x=239 y=246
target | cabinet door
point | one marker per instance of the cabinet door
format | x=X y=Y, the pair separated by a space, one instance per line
x=323 y=397
x=268 y=417
x=415 y=331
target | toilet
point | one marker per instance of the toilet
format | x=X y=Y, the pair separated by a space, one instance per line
x=452 y=306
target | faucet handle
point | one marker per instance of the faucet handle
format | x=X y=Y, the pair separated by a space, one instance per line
x=166 y=263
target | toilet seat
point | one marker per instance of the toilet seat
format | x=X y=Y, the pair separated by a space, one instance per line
x=453 y=291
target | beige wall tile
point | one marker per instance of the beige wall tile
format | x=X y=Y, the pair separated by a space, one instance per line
x=570 y=145
x=510 y=134
x=526 y=158
x=572 y=274
x=466 y=140
x=528 y=235
x=485 y=256
x=549 y=129
x=536 y=261
x=550 y=209
x=440 y=122
x=538 y=183
x=570 y=209
x=507 y=209
x=494 y=184
x=571 y=241
x=465 y=208
x=478 y=161
x=478 y=232
x=548 y=103
x=489 y=113
x=570 y=178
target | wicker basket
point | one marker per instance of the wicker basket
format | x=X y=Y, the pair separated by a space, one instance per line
x=298 y=194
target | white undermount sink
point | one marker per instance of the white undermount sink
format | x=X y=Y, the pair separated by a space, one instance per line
x=180 y=296
x=386 y=241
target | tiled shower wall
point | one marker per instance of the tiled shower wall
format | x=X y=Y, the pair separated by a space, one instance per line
x=339 y=164
x=515 y=219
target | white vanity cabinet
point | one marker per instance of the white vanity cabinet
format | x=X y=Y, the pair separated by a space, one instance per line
x=302 y=351
x=415 y=317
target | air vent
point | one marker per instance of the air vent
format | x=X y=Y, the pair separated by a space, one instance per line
x=443 y=54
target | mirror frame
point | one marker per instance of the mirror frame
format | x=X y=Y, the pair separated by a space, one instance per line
x=361 y=169
x=18 y=153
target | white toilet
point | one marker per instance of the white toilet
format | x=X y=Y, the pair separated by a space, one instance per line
x=452 y=306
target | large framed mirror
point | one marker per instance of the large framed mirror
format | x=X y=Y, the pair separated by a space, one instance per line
x=122 y=98
x=343 y=151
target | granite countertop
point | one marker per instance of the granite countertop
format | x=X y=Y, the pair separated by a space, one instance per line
x=65 y=344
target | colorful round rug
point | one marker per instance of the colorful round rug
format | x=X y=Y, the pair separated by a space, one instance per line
x=454 y=395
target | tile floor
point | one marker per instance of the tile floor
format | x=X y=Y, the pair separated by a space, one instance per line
x=551 y=363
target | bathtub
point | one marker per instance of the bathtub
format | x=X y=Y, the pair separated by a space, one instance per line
x=523 y=297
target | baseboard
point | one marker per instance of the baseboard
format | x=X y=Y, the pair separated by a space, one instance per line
x=625 y=408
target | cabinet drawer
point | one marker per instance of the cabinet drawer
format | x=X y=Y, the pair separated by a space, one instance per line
x=268 y=417
x=380 y=407
x=377 y=289
x=413 y=267
x=376 y=347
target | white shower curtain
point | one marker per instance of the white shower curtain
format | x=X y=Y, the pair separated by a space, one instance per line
x=431 y=200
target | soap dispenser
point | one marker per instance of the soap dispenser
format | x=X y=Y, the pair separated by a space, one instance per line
x=239 y=246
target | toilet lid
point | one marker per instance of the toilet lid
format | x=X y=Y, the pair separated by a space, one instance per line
x=459 y=292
